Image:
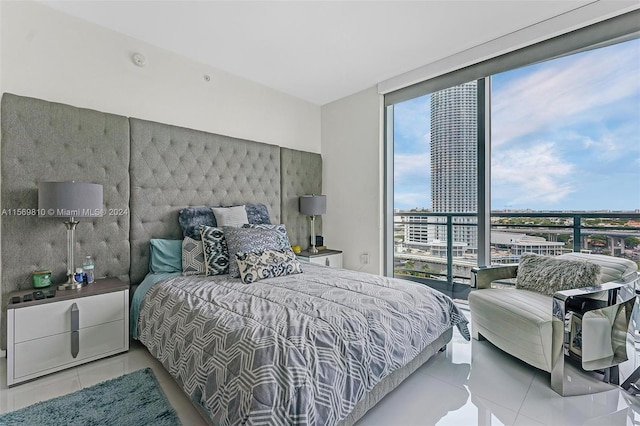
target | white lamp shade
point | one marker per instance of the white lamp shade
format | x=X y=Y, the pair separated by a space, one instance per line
x=69 y=199
x=312 y=205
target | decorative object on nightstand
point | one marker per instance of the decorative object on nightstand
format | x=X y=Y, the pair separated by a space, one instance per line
x=71 y=200
x=312 y=205
x=41 y=279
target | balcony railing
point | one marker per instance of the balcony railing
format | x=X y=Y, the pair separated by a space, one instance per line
x=577 y=231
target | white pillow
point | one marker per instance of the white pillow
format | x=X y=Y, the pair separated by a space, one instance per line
x=230 y=216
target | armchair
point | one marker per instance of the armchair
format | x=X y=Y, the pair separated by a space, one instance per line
x=543 y=327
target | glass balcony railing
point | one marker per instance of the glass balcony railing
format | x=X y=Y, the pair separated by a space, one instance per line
x=439 y=249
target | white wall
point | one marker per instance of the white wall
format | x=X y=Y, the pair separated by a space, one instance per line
x=352 y=162
x=49 y=55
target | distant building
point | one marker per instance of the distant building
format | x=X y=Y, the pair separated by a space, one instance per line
x=454 y=157
x=417 y=235
x=415 y=230
x=518 y=244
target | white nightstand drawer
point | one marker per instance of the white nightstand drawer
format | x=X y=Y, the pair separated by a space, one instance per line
x=332 y=260
x=97 y=341
x=55 y=318
x=328 y=257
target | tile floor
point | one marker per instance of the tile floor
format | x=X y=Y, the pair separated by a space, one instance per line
x=472 y=383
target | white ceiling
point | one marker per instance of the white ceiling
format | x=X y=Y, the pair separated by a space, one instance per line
x=319 y=51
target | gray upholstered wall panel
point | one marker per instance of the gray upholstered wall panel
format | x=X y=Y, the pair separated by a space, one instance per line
x=301 y=173
x=48 y=141
x=174 y=167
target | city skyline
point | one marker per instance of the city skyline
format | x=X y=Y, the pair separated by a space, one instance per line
x=565 y=136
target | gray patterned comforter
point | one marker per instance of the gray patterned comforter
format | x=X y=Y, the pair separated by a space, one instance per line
x=300 y=349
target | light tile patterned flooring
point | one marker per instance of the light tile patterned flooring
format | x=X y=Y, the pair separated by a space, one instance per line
x=472 y=383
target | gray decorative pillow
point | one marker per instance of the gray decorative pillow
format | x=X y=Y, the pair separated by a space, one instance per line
x=214 y=246
x=547 y=275
x=192 y=218
x=250 y=240
x=193 y=262
x=281 y=229
x=267 y=264
x=230 y=216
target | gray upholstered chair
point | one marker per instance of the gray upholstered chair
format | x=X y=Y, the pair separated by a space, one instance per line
x=519 y=321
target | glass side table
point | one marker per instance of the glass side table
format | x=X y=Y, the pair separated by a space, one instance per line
x=590 y=333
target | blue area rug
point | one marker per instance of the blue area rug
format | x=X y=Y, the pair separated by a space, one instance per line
x=132 y=399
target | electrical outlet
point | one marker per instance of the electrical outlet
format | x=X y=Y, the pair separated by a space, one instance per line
x=364 y=258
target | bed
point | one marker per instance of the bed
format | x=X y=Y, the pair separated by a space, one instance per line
x=298 y=349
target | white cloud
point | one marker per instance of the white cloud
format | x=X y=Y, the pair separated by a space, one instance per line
x=606 y=146
x=588 y=142
x=412 y=122
x=564 y=90
x=531 y=176
x=410 y=168
x=412 y=176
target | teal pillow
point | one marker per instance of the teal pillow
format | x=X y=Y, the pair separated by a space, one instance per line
x=165 y=256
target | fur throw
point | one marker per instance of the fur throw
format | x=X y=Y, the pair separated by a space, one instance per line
x=547 y=275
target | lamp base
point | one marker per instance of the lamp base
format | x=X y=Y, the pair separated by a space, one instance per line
x=70 y=284
x=313 y=250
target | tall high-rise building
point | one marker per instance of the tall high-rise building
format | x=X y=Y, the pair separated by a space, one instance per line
x=454 y=156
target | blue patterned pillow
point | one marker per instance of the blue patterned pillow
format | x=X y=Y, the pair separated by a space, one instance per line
x=257 y=213
x=267 y=264
x=250 y=240
x=216 y=255
x=281 y=229
x=192 y=218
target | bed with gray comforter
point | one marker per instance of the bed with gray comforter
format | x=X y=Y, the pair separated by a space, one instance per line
x=300 y=349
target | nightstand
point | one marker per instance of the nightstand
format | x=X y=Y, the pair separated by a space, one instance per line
x=332 y=258
x=71 y=328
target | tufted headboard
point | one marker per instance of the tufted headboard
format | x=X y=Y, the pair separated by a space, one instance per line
x=148 y=171
x=301 y=173
x=174 y=167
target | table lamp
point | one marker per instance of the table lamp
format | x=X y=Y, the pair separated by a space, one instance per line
x=71 y=200
x=313 y=205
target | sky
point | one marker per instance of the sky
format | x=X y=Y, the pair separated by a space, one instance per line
x=565 y=136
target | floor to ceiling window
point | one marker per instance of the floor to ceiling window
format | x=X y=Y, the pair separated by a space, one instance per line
x=565 y=137
x=435 y=182
x=564 y=171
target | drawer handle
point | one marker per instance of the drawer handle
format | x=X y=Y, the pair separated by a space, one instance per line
x=326 y=262
x=75 y=334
